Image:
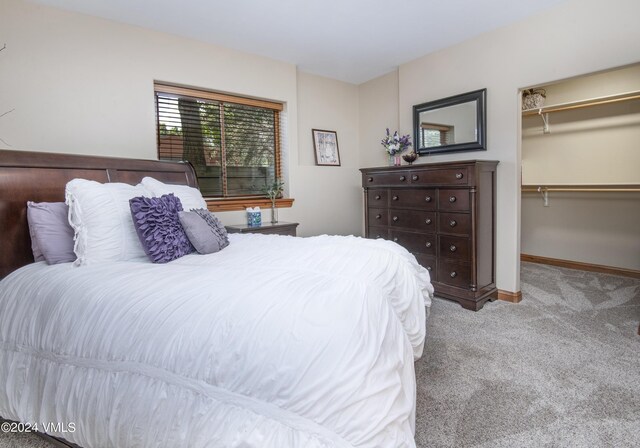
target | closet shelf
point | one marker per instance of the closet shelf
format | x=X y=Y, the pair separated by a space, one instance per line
x=544 y=190
x=627 y=96
x=587 y=188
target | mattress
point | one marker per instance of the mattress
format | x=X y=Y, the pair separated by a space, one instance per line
x=273 y=342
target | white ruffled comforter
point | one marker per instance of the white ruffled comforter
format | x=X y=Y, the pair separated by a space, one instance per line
x=273 y=342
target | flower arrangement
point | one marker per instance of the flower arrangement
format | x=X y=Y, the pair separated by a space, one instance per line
x=395 y=144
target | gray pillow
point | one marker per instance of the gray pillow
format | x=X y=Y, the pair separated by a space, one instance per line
x=51 y=234
x=205 y=231
x=37 y=253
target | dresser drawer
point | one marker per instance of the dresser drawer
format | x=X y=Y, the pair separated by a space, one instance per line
x=378 y=216
x=393 y=179
x=454 y=200
x=424 y=243
x=377 y=198
x=429 y=263
x=375 y=232
x=413 y=219
x=456 y=176
x=411 y=198
x=454 y=247
x=457 y=223
x=454 y=273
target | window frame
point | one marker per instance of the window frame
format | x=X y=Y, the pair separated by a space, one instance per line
x=232 y=202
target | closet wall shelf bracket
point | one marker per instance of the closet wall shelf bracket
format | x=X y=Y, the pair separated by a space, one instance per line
x=545 y=121
x=545 y=195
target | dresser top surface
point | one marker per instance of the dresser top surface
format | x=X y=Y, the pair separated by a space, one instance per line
x=418 y=166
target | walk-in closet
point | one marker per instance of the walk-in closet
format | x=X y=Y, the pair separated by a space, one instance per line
x=581 y=171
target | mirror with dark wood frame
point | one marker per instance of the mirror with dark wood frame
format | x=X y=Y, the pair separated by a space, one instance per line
x=453 y=124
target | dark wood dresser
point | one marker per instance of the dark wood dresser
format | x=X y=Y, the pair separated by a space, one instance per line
x=443 y=213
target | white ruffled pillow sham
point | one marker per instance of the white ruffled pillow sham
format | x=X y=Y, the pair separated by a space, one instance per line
x=101 y=219
x=190 y=197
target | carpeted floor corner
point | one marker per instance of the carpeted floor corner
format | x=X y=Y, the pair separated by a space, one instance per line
x=559 y=369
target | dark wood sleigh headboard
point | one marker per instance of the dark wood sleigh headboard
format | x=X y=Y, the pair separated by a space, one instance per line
x=41 y=177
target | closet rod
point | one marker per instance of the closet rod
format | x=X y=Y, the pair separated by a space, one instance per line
x=579 y=188
x=584 y=103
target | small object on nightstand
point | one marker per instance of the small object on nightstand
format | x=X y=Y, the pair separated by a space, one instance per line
x=254 y=217
x=280 y=228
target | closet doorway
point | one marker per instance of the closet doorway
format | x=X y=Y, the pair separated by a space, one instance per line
x=581 y=172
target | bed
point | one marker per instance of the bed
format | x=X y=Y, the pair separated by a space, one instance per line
x=274 y=342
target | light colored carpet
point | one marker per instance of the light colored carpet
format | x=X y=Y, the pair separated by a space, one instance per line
x=559 y=369
x=22 y=440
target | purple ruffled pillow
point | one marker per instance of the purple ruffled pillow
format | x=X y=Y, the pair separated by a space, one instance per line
x=158 y=227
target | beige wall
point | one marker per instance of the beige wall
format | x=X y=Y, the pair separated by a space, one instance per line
x=332 y=194
x=597 y=228
x=596 y=145
x=84 y=85
x=558 y=44
x=378 y=105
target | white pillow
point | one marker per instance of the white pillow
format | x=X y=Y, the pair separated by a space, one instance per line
x=101 y=219
x=190 y=197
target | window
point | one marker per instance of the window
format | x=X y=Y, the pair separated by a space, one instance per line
x=232 y=142
x=435 y=135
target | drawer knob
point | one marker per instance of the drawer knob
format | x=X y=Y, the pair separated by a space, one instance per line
x=377 y=197
x=452 y=199
x=378 y=216
x=370 y=179
x=454 y=274
x=402 y=178
x=429 y=268
x=395 y=198
x=453 y=248
x=378 y=236
x=427 y=199
x=459 y=175
x=395 y=219
x=453 y=223
x=395 y=239
x=415 y=177
x=428 y=244
x=427 y=221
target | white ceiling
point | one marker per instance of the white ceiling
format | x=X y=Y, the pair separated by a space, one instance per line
x=349 y=40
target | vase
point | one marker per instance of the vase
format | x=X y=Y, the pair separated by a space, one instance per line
x=395 y=160
x=410 y=157
x=274 y=213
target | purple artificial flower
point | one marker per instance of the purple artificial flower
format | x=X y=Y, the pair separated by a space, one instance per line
x=395 y=143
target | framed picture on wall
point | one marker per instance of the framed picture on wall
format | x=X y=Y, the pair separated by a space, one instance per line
x=325 y=144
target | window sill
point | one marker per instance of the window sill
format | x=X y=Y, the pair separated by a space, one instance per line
x=227 y=205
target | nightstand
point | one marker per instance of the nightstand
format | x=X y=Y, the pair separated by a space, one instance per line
x=280 y=228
